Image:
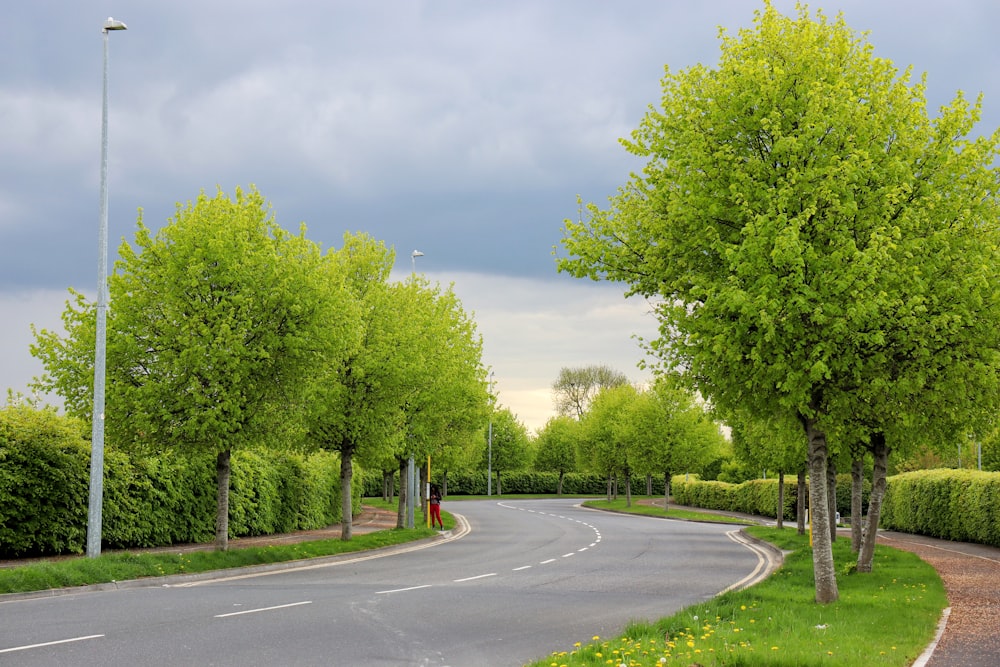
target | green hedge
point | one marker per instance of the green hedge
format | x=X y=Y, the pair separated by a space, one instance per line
x=151 y=501
x=757 y=496
x=961 y=505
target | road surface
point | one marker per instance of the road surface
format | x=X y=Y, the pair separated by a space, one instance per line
x=530 y=577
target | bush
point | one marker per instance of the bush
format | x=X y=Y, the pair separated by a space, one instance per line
x=44 y=483
x=148 y=501
x=949 y=504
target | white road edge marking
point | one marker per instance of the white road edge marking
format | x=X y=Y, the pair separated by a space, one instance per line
x=254 y=611
x=43 y=644
x=480 y=576
x=402 y=590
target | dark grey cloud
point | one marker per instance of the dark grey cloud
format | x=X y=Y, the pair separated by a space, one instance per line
x=444 y=124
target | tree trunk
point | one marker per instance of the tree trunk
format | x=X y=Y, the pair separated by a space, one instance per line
x=819 y=509
x=857 y=489
x=780 y=520
x=801 y=489
x=499 y=492
x=831 y=496
x=666 y=490
x=609 y=487
x=346 y=477
x=401 y=511
x=559 y=489
x=388 y=486
x=649 y=483
x=880 y=452
x=628 y=487
x=222 y=472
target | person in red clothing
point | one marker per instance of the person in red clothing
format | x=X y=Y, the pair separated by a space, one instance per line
x=435 y=504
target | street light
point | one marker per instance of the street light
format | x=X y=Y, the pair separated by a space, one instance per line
x=97 y=433
x=489 y=453
x=413 y=258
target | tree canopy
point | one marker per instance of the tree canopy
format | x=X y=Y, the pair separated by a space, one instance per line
x=822 y=248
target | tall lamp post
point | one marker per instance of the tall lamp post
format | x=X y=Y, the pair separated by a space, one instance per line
x=97 y=434
x=489 y=451
x=411 y=483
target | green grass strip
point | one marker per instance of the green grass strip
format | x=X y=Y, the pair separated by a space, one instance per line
x=886 y=618
x=620 y=505
x=123 y=566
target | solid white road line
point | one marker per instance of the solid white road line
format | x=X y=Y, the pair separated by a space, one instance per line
x=254 y=611
x=59 y=641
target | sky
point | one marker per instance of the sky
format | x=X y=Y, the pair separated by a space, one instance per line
x=465 y=130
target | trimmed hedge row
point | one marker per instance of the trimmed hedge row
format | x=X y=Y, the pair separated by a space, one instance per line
x=154 y=501
x=757 y=496
x=961 y=505
x=520 y=482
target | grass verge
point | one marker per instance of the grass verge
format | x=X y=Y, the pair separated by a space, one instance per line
x=126 y=565
x=886 y=618
x=654 y=510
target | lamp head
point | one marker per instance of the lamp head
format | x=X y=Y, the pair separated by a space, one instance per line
x=112 y=24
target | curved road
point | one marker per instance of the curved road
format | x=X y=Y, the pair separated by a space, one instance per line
x=529 y=578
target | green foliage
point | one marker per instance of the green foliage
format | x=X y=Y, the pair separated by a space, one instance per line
x=509 y=443
x=961 y=505
x=148 y=501
x=758 y=497
x=523 y=482
x=44 y=463
x=555 y=446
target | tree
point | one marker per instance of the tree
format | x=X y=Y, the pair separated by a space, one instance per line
x=803 y=220
x=556 y=447
x=612 y=445
x=358 y=392
x=575 y=388
x=214 y=320
x=509 y=450
x=446 y=402
x=671 y=430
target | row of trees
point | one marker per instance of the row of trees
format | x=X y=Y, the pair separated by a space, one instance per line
x=824 y=254
x=225 y=331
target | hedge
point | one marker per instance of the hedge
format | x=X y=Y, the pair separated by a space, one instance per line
x=151 y=501
x=961 y=505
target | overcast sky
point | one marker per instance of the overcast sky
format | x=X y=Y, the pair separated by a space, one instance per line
x=463 y=129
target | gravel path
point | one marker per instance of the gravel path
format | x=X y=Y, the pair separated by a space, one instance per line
x=971 y=575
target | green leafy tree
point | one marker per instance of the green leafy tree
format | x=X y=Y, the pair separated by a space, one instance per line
x=510 y=447
x=358 y=391
x=555 y=447
x=69 y=360
x=446 y=403
x=215 y=320
x=610 y=442
x=823 y=249
x=671 y=430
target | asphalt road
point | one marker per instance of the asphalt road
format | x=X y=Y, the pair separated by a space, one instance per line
x=529 y=578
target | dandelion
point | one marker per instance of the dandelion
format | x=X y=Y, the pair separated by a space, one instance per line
x=774 y=648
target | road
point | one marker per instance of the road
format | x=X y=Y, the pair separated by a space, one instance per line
x=529 y=578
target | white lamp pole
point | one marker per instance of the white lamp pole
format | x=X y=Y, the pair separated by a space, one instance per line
x=413 y=258
x=489 y=453
x=97 y=434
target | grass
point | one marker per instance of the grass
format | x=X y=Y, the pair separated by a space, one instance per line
x=886 y=618
x=655 y=510
x=121 y=566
